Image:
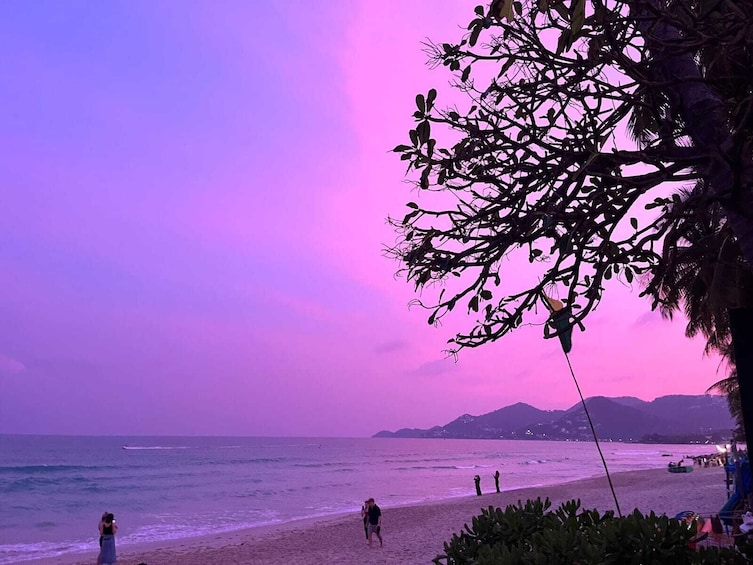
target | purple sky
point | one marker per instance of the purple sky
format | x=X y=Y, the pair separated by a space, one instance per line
x=193 y=216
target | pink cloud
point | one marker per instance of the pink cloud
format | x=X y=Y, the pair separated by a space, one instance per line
x=9 y=366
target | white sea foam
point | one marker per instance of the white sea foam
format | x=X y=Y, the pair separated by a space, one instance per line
x=20 y=552
x=157 y=447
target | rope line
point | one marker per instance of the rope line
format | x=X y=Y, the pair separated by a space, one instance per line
x=596 y=439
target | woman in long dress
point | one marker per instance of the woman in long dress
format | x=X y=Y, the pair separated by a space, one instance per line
x=107 y=529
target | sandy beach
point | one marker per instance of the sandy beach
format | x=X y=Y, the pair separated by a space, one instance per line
x=415 y=534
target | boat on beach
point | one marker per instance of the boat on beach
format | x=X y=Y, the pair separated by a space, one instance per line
x=672 y=468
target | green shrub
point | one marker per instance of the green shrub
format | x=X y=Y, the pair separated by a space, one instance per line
x=532 y=534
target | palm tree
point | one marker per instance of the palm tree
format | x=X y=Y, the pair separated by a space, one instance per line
x=730 y=388
x=703 y=274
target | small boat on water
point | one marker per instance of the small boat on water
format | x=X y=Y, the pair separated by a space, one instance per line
x=672 y=468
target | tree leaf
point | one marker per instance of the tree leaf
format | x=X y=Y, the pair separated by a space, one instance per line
x=501 y=9
x=421 y=103
x=431 y=96
x=559 y=7
x=475 y=33
x=564 y=41
x=506 y=66
x=578 y=17
x=424 y=132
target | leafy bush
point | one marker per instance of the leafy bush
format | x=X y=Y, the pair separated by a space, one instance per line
x=532 y=534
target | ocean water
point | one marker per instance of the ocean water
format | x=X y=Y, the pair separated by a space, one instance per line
x=53 y=489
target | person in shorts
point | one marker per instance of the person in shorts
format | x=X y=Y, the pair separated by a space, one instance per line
x=375 y=521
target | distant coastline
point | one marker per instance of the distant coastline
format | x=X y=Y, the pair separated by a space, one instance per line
x=674 y=419
x=715 y=438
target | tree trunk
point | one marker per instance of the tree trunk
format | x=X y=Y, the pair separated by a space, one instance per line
x=729 y=176
x=741 y=327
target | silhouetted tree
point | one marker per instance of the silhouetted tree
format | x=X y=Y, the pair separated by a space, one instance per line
x=730 y=388
x=703 y=274
x=536 y=161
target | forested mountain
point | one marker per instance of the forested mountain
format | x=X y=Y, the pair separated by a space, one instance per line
x=668 y=419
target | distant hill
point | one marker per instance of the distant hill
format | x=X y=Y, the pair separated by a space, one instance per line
x=499 y=422
x=668 y=419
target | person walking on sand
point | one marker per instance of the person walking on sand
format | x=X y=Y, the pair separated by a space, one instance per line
x=375 y=521
x=477 y=480
x=107 y=529
x=496 y=479
x=365 y=517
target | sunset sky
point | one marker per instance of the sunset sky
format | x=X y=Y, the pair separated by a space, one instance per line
x=193 y=209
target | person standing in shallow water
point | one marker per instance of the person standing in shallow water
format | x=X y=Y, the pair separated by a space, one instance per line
x=496 y=479
x=375 y=521
x=477 y=480
x=107 y=529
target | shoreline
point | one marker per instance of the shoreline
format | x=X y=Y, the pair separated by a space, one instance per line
x=415 y=533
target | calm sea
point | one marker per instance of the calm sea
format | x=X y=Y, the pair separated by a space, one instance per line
x=54 y=488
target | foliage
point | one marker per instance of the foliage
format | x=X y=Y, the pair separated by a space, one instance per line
x=730 y=388
x=531 y=533
x=538 y=164
x=703 y=274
